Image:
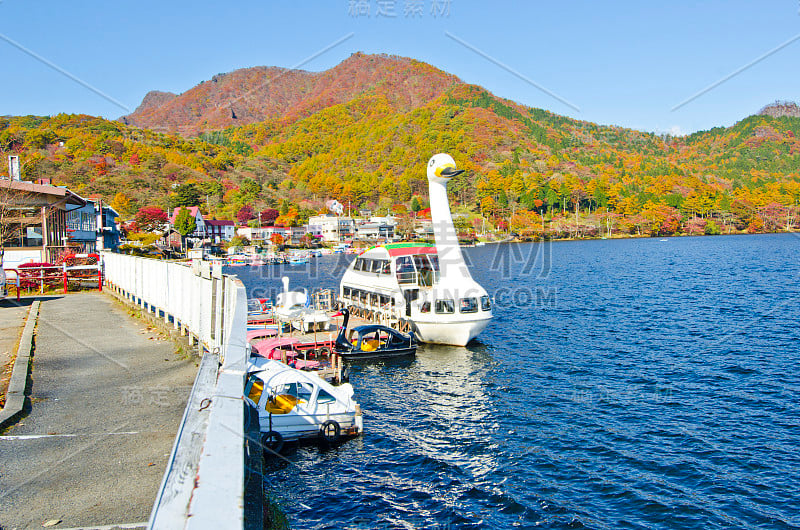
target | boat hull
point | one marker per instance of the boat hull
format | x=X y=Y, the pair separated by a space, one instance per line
x=377 y=354
x=294 y=427
x=457 y=333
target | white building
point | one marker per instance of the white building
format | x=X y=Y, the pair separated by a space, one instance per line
x=376 y=228
x=219 y=231
x=263 y=235
x=331 y=228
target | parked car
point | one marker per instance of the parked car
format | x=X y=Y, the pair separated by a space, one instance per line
x=3 y=285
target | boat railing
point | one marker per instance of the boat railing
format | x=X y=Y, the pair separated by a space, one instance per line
x=407 y=277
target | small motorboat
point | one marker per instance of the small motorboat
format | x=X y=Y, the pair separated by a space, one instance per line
x=294 y=405
x=298 y=258
x=371 y=341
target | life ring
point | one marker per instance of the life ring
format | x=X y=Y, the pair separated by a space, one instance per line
x=272 y=442
x=324 y=351
x=330 y=431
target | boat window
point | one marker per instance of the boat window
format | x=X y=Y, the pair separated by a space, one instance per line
x=424 y=268
x=426 y=307
x=486 y=305
x=468 y=305
x=362 y=295
x=384 y=300
x=325 y=397
x=346 y=291
x=254 y=388
x=405 y=270
x=434 y=259
x=386 y=267
x=445 y=306
x=300 y=390
x=373 y=299
x=422 y=263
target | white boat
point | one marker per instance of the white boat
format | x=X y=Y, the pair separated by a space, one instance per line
x=295 y=307
x=429 y=286
x=293 y=404
x=298 y=258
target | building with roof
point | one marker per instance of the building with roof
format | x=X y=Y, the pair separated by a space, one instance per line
x=290 y=235
x=199 y=222
x=33 y=221
x=218 y=231
x=93 y=227
x=332 y=228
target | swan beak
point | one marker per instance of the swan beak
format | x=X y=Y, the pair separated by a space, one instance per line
x=450 y=172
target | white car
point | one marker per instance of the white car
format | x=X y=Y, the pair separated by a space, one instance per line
x=3 y=284
x=293 y=404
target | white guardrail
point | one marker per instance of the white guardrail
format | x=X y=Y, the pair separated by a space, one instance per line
x=204 y=484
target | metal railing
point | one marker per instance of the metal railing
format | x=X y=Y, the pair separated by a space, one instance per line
x=54 y=275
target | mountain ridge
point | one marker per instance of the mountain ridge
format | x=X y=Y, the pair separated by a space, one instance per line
x=251 y=95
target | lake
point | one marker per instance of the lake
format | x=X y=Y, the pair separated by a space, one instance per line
x=637 y=383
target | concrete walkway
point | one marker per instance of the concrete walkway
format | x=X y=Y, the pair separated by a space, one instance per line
x=12 y=320
x=107 y=397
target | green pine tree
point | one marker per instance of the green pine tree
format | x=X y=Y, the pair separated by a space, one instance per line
x=185 y=224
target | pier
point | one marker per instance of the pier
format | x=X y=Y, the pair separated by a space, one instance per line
x=117 y=428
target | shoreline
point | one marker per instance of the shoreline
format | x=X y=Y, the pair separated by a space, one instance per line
x=617 y=238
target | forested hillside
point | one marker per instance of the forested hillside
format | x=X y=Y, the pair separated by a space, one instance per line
x=362 y=132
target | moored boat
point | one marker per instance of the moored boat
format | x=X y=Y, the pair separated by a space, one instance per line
x=371 y=341
x=294 y=405
x=429 y=287
x=295 y=307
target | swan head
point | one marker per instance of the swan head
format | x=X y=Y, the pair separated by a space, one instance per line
x=442 y=167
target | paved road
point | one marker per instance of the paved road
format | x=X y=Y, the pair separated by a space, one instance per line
x=107 y=399
x=12 y=320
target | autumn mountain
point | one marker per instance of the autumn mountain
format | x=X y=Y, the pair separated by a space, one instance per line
x=257 y=94
x=363 y=131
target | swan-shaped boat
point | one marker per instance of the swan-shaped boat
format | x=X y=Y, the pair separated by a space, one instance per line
x=295 y=307
x=371 y=340
x=428 y=286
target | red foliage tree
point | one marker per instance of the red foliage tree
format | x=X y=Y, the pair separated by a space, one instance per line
x=244 y=214
x=268 y=216
x=150 y=218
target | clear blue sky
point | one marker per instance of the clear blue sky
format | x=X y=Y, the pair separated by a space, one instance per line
x=622 y=63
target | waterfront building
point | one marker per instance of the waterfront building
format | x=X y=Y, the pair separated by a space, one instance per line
x=33 y=220
x=291 y=235
x=332 y=228
x=93 y=227
x=219 y=231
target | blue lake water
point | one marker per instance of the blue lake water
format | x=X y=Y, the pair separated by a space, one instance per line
x=622 y=384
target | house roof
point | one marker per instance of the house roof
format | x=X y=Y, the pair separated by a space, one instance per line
x=193 y=210
x=43 y=189
x=215 y=222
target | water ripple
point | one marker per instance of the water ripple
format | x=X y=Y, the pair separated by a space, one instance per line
x=661 y=390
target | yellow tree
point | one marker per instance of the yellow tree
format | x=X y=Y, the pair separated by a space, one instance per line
x=122 y=204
